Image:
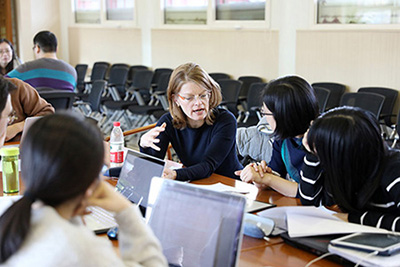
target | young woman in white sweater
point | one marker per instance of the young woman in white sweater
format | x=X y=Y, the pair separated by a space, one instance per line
x=62 y=156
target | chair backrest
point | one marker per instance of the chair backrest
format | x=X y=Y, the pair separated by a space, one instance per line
x=118 y=77
x=390 y=100
x=336 y=89
x=230 y=93
x=81 y=73
x=368 y=101
x=60 y=100
x=94 y=97
x=219 y=76
x=247 y=82
x=99 y=71
x=254 y=95
x=322 y=95
x=157 y=74
x=142 y=81
x=133 y=69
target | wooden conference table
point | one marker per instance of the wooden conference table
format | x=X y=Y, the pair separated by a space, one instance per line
x=257 y=252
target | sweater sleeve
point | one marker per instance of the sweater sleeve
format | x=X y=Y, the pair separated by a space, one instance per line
x=311 y=181
x=138 y=245
x=27 y=102
x=384 y=215
x=276 y=162
x=223 y=139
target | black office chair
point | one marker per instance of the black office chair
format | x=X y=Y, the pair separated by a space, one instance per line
x=92 y=108
x=60 y=100
x=157 y=106
x=99 y=72
x=230 y=94
x=157 y=74
x=81 y=73
x=368 y=101
x=254 y=102
x=390 y=100
x=337 y=90
x=132 y=71
x=219 y=76
x=322 y=95
x=247 y=81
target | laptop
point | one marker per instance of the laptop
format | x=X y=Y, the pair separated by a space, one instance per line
x=196 y=226
x=317 y=245
x=133 y=183
x=28 y=123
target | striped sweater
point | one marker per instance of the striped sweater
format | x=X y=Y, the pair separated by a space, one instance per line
x=383 y=209
x=46 y=72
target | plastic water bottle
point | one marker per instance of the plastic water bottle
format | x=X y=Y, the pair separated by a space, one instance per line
x=116 y=146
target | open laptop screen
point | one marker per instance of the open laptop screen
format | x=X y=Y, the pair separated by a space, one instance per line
x=196 y=226
x=136 y=173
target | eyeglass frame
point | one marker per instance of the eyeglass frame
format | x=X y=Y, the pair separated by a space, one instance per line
x=11 y=118
x=207 y=93
x=6 y=51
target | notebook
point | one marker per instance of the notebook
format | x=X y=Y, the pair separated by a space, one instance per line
x=196 y=226
x=134 y=183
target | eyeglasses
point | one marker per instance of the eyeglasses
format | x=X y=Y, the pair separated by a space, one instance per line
x=265 y=114
x=7 y=51
x=189 y=99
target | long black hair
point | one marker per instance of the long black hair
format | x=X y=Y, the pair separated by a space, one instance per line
x=352 y=153
x=10 y=65
x=293 y=103
x=61 y=157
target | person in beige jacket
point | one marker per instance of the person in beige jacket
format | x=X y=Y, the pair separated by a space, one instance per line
x=26 y=102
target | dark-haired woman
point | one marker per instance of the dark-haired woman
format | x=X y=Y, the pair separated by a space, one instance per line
x=290 y=104
x=62 y=156
x=203 y=136
x=8 y=58
x=352 y=167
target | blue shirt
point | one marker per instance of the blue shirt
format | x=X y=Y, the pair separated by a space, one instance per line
x=204 y=150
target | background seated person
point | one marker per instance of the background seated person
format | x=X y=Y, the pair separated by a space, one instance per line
x=26 y=102
x=350 y=165
x=58 y=188
x=46 y=70
x=202 y=135
x=8 y=58
x=5 y=107
x=290 y=104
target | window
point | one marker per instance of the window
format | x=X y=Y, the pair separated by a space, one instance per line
x=87 y=11
x=240 y=10
x=185 y=11
x=358 y=11
x=91 y=11
x=119 y=9
x=197 y=11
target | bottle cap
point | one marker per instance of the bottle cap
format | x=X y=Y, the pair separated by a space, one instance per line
x=9 y=151
x=117 y=123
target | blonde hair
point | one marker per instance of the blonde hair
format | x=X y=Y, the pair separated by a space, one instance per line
x=191 y=72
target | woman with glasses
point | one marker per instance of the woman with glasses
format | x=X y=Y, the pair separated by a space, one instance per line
x=8 y=58
x=202 y=135
x=289 y=105
x=350 y=165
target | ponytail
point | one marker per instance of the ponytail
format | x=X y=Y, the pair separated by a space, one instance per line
x=14 y=226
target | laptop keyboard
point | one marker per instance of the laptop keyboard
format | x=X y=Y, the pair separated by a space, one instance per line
x=99 y=220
